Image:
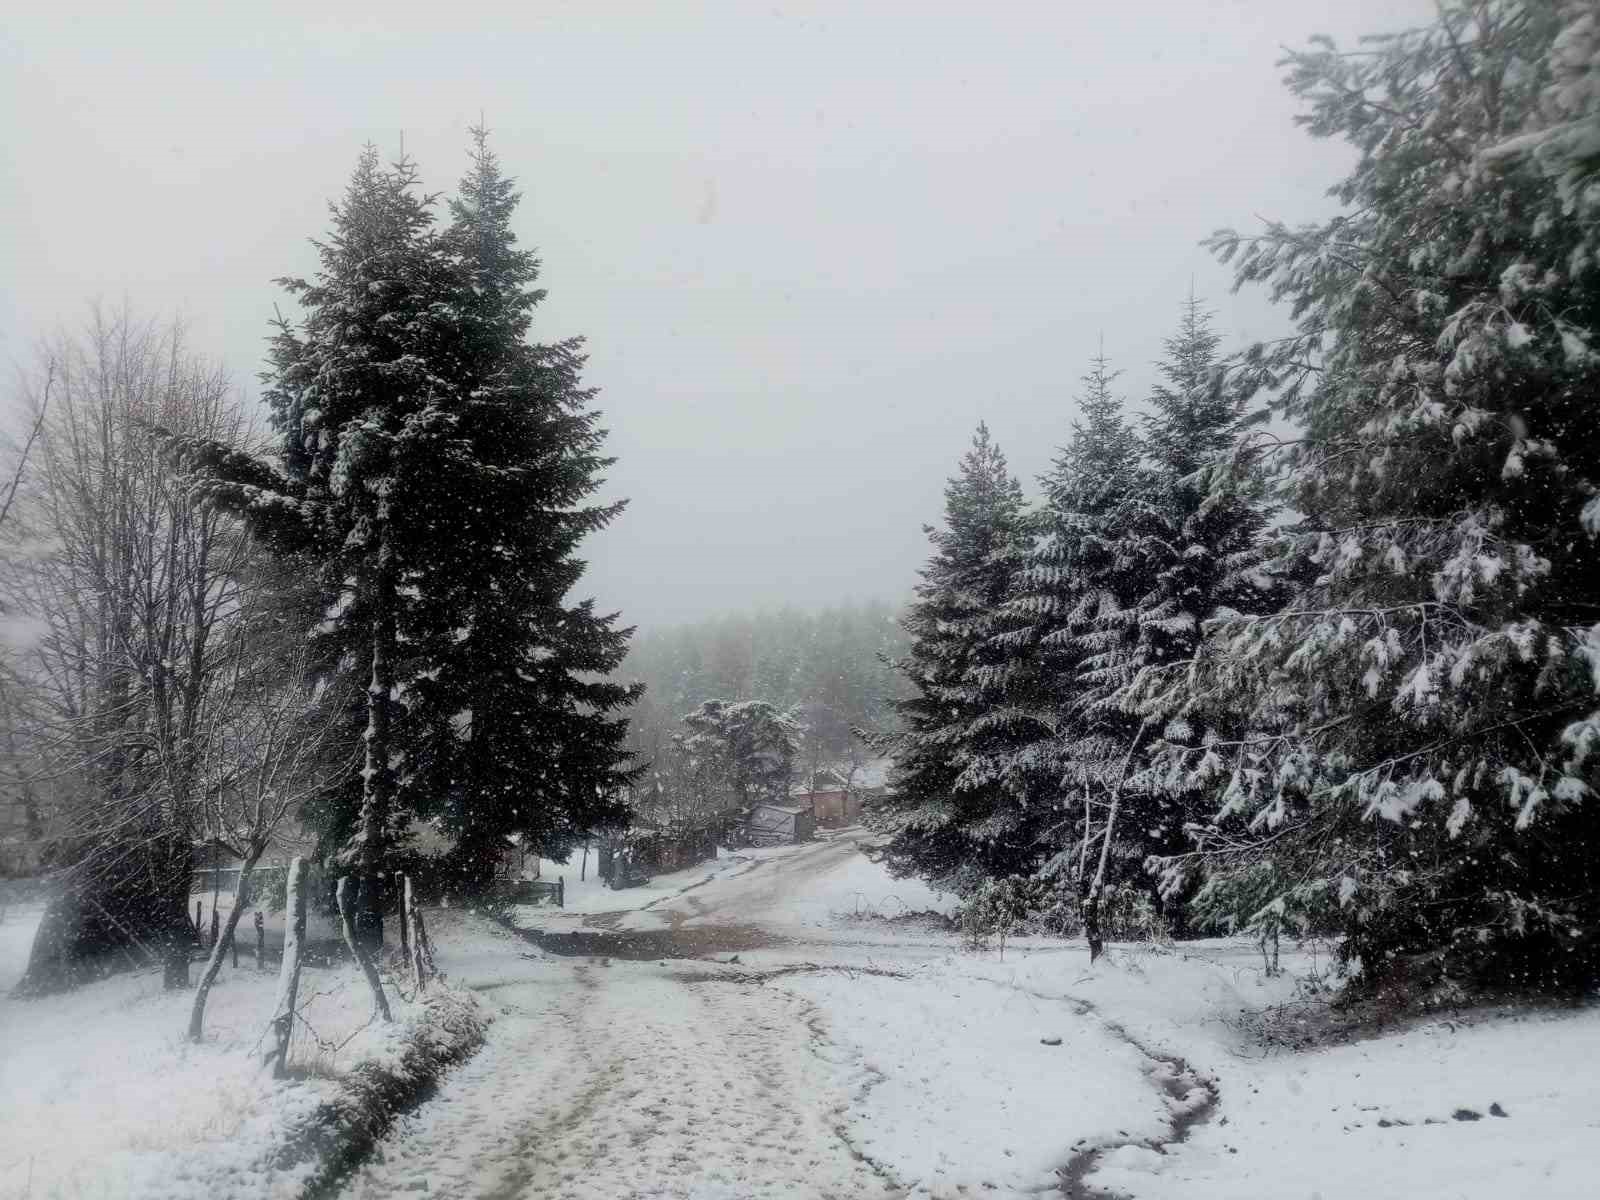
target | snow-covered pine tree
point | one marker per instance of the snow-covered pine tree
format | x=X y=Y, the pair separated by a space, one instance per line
x=745 y=747
x=529 y=740
x=1183 y=546
x=365 y=392
x=362 y=392
x=945 y=824
x=1423 y=767
x=1061 y=754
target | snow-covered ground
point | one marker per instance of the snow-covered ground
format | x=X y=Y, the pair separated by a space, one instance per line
x=821 y=886
x=851 y=1055
x=101 y=1095
x=843 y=1053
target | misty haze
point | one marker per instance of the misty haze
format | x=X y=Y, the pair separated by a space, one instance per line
x=801 y=600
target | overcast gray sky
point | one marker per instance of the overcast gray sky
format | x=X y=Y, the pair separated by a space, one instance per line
x=811 y=245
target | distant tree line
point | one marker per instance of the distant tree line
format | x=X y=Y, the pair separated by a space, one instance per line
x=820 y=683
x=1346 y=679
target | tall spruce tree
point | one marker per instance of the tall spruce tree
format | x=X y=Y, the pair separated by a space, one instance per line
x=530 y=740
x=362 y=392
x=1184 y=546
x=946 y=824
x=429 y=475
x=1422 y=770
x=1066 y=577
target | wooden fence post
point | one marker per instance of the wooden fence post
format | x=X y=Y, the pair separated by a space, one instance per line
x=362 y=955
x=422 y=948
x=289 y=973
x=410 y=916
x=405 y=920
x=561 y=891
x=261 y=942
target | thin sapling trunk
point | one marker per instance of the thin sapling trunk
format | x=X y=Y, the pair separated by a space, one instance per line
x=1091 y=907
x=241 y=896
x=363 y=956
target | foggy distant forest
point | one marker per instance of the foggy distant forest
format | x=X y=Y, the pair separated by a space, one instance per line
x=834 y=668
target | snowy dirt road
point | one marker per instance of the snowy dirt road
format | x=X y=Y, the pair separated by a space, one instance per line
x=756 y=1027
x=614 y=1071
x=616 y=1068
x=629 y=1082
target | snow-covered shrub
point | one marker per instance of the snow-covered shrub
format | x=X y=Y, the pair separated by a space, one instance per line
x=996 y=910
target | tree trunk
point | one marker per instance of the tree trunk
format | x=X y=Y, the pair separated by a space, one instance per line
x=421 y=947
x=241 y=896
x=363 y=956
x=1091 y=907
x=289 y=973
x=377 y=778
x=1088 y=819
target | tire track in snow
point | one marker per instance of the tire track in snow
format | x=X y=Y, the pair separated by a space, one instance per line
x=467 y=1141
x=633 y=1084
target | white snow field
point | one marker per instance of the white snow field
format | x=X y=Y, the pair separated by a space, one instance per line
x=757 y=1028
x=101 y=1095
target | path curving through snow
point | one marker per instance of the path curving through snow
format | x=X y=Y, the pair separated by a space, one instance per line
x=805 y=1054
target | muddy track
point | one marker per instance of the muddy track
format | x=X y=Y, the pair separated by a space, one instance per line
x=758 y=977
x=816 y=1025
x=820 y=1045
x=1192 y=1100
x=653 y=945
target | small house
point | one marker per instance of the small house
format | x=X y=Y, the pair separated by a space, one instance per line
x=649 y=848
x=781 y=824
x=831 y=797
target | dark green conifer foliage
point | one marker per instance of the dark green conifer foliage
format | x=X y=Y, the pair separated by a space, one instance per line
x=1421 y=773
x=430 y=475
x=1066 y=750
x=1185 y=545
x=362 y=393
x=946 y=828
x=537 y=740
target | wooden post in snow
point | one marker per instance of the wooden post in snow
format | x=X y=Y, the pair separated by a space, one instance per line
x=261 y=942
x=411 y=917
x=405 y=920
x=289 y=973
x=362 y=954
x=422 y=948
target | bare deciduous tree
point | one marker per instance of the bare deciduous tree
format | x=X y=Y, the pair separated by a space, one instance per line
x=269 y=753
x=125 y=589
